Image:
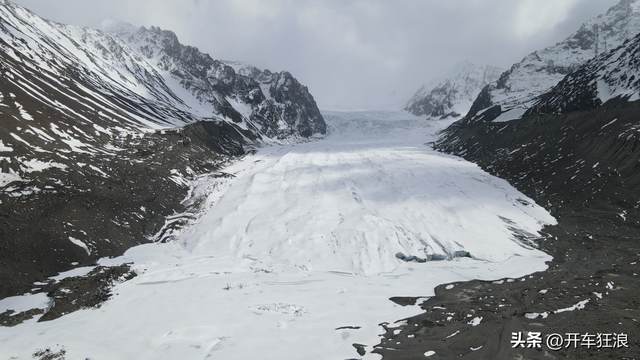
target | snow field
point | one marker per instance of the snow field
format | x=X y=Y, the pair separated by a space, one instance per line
x=302 y=242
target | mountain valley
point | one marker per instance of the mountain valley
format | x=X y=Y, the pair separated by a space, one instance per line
x=158 y=203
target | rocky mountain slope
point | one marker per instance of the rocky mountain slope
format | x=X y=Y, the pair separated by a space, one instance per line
x=274 y=104
x=577 y=142
x=452 y=97
x=291 y=100
x=576 y=152
x=583 y=167
x=611 y=76
x=101 y=134
x=517 y=89
x=576 y=147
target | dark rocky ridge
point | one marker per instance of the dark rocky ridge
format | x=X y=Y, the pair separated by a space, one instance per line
x=617 y=71
x=116 y=203
x=83 y=173
x=583 y=157
x=280 y=106
x=583 y=167
x=291 y=100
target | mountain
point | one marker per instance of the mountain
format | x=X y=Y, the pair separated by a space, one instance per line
x=517 y=89
x=575 y=151
x=611 y=76
x=291 y=101
x=274 y=104
x=577 y=146
x=101 y=133
x=453 y=96
x=577 y=141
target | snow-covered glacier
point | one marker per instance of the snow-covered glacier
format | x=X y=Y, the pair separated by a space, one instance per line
x=295 y=253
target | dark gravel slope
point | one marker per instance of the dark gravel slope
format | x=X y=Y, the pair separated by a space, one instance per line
x=108 y=202
x=584 y=168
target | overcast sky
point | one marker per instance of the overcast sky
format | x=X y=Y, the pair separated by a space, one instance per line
x=352 y=54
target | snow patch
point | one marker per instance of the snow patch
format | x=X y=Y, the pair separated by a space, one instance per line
x=579 y=306
x=454 y=334
x=32 y=165
x=512 y=114
x=536 y=315
x=5 y=148
x=609 y=123
x=95 y=168
x=7 y=178
x=24 y=303
x=23 y=113
x=81 y=271
x=81 y=244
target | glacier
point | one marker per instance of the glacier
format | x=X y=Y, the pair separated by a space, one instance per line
x=293 y=255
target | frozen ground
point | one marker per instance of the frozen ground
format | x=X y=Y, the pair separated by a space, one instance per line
x=302 y=242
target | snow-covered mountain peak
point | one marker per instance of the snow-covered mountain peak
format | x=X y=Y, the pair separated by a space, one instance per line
x=453 y=95
x=517 y=89
x=115 y=26
x=609 y=30
x=466 y=69
x=242 y=92
x=461 y=67
x=67 y=81
x=245 y=69
x=614 y=75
